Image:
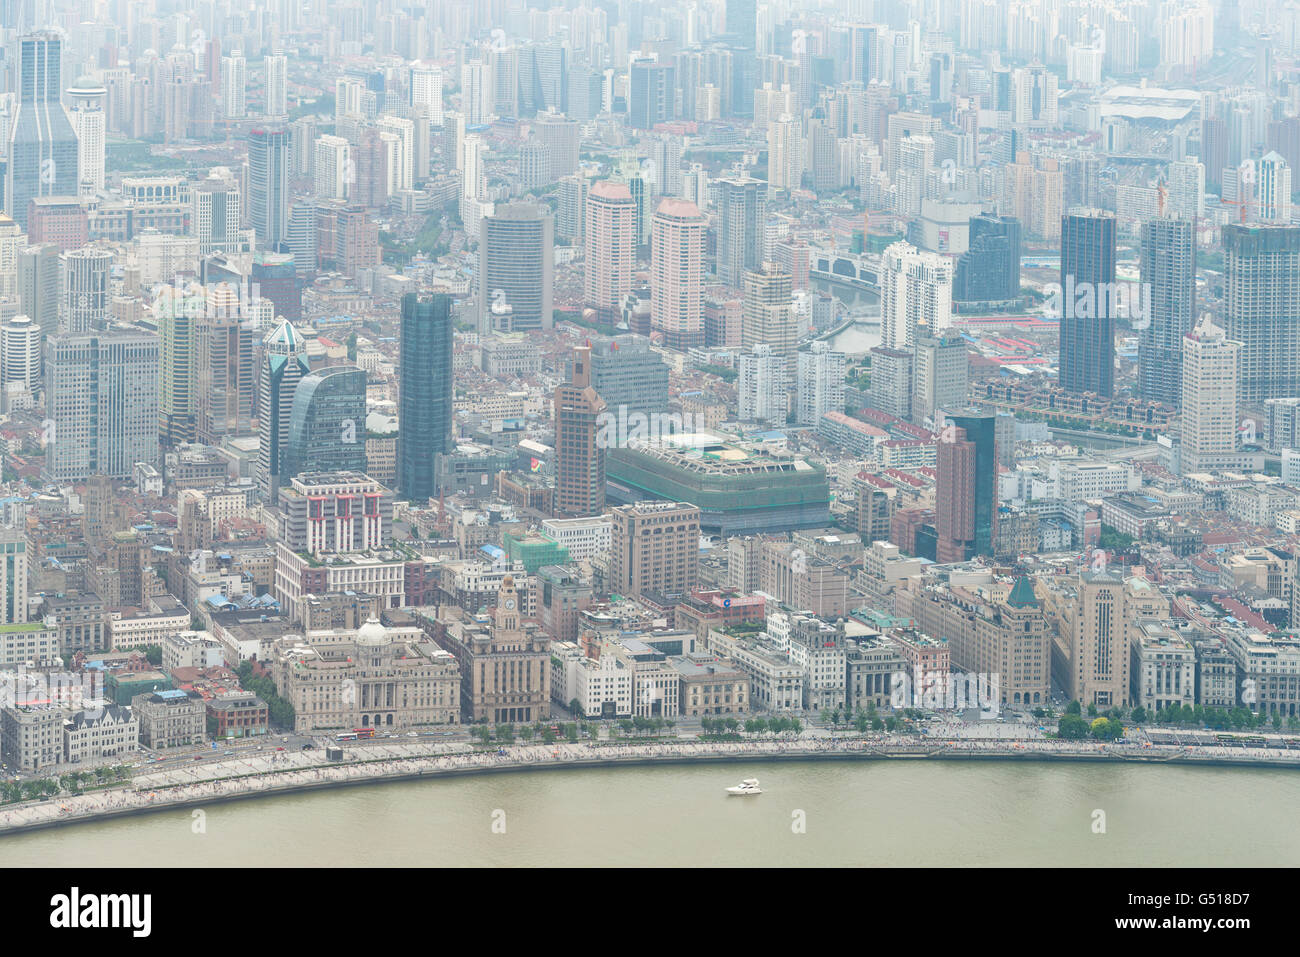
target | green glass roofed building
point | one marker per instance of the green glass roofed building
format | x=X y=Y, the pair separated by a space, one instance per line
x=739 y=489
x=327 y=425
x=535 y=551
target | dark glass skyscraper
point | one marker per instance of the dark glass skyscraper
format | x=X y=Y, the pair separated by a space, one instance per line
x=742 y=39
x=275 y=278
x=989 y=270
x=742 y=20
x=1169 y=272
x=424 y=416
x=1087 y=324
x=43 y=158
x=965 y=496
x=327 y=426
x=651 y=92
x=268 y=186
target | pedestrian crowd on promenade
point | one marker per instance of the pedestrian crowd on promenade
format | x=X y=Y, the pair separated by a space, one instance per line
x=143 y=794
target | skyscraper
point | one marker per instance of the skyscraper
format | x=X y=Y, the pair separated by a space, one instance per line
x=86 y=301
x=762 y=385
x=284 y=365
x=940 y=375
x=225 y=376
x=768 y=317
x=989 y=270
x=268 y=185
x=216 y=211
x=915 y=295
x=1274 y=189
x=611 y=248
x=579 y=453
x=20 y=362
x=742 y=20
x=43 y=150
x=651 y=93
x=426 y=89
x=101 y=398
x=335 y=169
x=425 y=383
x=327 y=425
x=516 y=266
x=86 y=112
x=559 y=135
x=784 y=153
x=742 y=225
x=476 y=97
x=891 y=381
x=12 y=241
x=677 y=273
x=178 y=320
x=1168 y=264
x=277 y=96
x=274 y=278
x=1209 y=399
x=820 y=383
x=234 y=86
x=1262 y=308
x=742 y=33
x=629 y=376
x=965 y=491
x=38 y=285
x=1087 y=274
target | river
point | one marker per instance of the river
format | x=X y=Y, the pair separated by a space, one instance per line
x=870 y=813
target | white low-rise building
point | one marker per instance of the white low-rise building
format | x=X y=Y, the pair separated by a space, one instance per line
x=603 y=687
x=146 y=628
x=192 y=649
x=101 y=732
x=1162 y=667
x=29 y=643
x=583 y=537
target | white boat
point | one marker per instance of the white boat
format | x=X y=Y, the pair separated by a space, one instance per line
x=747 y=786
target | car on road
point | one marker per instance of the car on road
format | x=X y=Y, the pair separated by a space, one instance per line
x=412 y=734
x=279 y=749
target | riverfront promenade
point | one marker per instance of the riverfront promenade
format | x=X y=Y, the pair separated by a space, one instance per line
x=290 y=772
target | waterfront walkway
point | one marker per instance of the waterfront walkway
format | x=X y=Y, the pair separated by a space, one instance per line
x=240 y=778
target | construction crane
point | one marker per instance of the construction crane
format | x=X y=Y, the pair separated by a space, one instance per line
x=1242 y=205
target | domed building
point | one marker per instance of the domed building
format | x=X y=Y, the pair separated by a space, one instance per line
x=375 y=676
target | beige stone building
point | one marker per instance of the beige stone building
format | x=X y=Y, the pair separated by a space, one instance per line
x=369 y=677
x=31 y=739
x=505 y=662
x=1095 y=618
x=992 y=631
x=655 y=547
x=710 y=686
x=170 y=719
